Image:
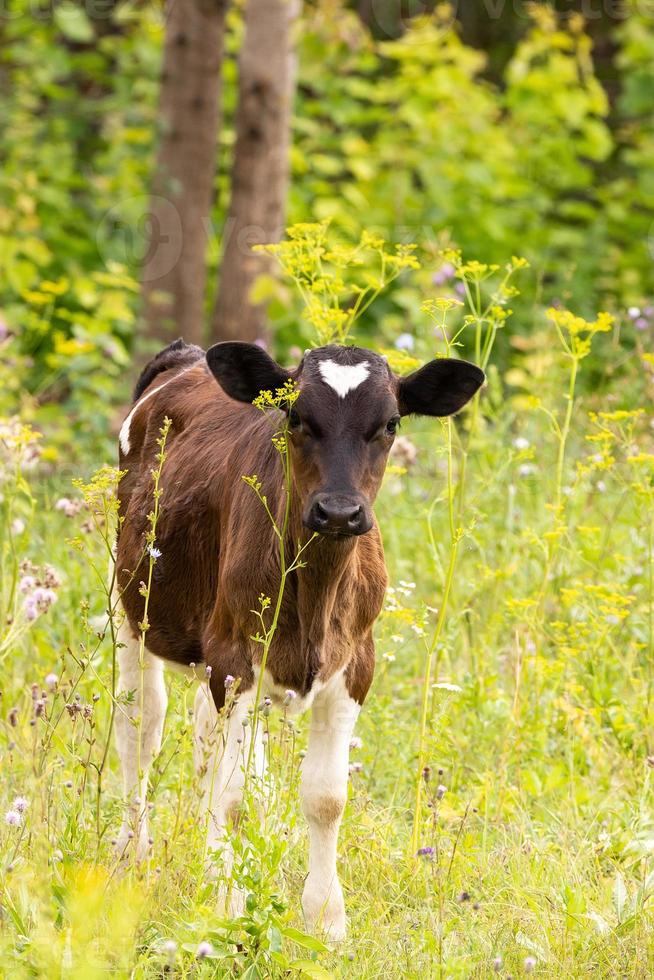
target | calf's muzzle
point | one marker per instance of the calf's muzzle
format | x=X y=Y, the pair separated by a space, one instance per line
x=338 y=515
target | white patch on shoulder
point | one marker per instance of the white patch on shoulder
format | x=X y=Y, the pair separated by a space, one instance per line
x=343 y=377
x=123 y=436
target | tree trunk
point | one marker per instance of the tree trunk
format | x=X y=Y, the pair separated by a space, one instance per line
x=174 y=267
x=260 y=167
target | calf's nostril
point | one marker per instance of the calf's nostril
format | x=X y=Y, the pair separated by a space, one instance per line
x=355 y=517
x=320 y=513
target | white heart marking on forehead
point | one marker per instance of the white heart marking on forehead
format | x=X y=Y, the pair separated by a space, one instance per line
x=343 y=377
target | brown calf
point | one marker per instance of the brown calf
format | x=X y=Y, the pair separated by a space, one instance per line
x=219 y=553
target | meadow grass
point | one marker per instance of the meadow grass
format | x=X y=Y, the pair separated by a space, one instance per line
x=500 y=813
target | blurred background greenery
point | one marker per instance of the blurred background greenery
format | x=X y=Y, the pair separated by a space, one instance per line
x=498 y=128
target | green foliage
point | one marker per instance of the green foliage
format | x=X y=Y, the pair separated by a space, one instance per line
x=79 y=123
x=409 y=133
x=405 y=137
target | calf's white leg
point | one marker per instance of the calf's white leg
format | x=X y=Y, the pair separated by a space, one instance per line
x=149 y=692
x=324 y=792
x=222 y=748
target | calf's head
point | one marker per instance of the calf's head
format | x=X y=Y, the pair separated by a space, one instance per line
x=345 y=419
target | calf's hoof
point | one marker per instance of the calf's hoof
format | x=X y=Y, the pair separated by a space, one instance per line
x=324 y=910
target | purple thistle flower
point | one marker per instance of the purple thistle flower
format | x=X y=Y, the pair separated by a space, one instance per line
x=204 y=949
x=30 y=608
x=426 y=851
x=229 y=680
x=12 y=818
x=20 y=804
x=27 y=583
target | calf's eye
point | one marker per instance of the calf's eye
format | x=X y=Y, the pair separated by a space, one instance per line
x=294 y=419
x=392 y=424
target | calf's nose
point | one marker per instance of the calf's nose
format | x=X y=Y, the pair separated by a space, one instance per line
x=337 y=515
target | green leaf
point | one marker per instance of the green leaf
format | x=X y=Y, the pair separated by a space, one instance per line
x=274 y=938
x=304 y=940
x=73 y=23
x=307 y=968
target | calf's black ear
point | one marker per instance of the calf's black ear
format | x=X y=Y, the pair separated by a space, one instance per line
x=243 y=370
x=440 y=388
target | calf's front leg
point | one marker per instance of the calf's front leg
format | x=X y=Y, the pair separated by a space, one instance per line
x=324 y=792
